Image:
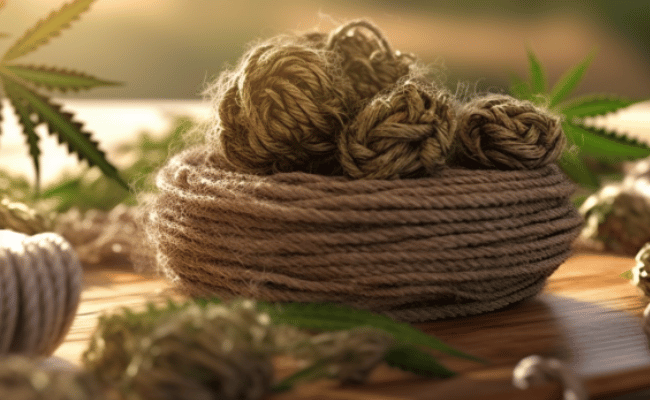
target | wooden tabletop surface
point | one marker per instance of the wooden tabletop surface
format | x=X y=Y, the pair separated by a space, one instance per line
x=587 y=316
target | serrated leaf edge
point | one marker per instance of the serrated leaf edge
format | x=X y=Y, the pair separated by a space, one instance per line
x=619 y=137
x=20 y=48
x=28 y=126
x=93 y=81
x=537 y=75
x=570 y=79
x=107 y=168
x=567 y=104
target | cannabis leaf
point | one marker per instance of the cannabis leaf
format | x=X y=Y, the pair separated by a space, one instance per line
x=584 y=141
x=21 y=84
x=405 y=357
x=329 y=316
x=332 y=317
x=411 y=359
x=45 y=29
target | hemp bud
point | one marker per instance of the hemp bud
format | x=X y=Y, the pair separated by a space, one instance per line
x=187 y=352
x=618 y=216
x=350 y=355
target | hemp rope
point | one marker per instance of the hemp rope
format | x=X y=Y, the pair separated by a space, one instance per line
x=534 y=370
x=40 y=288
x=465 y=242
x=333 y=171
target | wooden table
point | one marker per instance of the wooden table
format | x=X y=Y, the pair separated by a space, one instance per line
x=587 y=316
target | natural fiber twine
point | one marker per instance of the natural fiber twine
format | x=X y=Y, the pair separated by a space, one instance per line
x=334 y=171
x=40 y=287
x=464 y=242
x=498 y=131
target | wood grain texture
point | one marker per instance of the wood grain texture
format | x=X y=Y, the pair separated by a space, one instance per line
x=587 y=316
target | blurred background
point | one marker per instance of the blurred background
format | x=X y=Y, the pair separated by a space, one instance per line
x=169 y=48
x=165 y=51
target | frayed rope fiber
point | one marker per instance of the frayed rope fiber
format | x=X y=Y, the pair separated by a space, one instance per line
x=335 y=172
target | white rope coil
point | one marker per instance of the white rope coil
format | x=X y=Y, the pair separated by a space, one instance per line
x=40 y=287
x=534 y=370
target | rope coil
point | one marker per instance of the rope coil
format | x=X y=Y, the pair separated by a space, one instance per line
x=414 y=249
x=41 y=287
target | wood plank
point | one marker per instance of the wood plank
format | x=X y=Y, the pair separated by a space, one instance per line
x=586 y=316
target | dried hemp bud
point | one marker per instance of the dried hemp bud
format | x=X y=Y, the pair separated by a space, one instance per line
x=617 y=217
x=221 y=351
x=348 y=356
x=191 y=353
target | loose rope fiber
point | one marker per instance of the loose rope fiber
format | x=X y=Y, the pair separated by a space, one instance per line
x=40 y=288
x=464 y=242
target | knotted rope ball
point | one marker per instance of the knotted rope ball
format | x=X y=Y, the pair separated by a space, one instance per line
x=342 y=175
x=404 y=133
x=498 y=131
x=281 y=109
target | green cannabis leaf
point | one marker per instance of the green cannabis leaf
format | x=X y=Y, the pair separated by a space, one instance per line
x=329 y=317
x=22 y=82
x=584 y=141
x=411 y=359
x=334 y=317
x=44 y=30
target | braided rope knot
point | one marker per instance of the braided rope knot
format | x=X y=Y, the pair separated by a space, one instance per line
x=500 y=131
x=400 y=134
x=281 y=109
x=347 y=102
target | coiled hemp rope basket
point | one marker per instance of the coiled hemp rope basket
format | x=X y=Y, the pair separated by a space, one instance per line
x=396 y=199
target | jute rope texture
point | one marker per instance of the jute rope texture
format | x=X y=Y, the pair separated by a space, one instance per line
x=334 y=171
x=465 y=242
x=40 y=288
